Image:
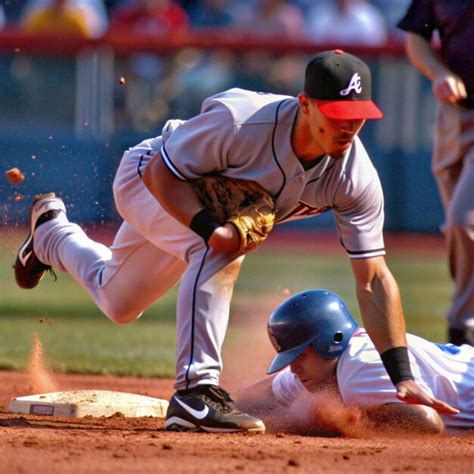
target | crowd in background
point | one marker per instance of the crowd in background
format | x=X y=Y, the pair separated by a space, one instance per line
x=364 y=21
x=160 y=85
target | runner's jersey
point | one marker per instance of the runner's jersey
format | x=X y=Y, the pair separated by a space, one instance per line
x=445 y=372
x=247 y=135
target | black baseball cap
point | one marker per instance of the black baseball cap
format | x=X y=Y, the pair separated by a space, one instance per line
x=341 y=83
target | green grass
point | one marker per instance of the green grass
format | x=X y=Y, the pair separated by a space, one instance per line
x=76 y=337
x=145 y=348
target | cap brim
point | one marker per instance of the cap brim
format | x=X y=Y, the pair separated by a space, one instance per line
x=349 y=109
x=282 y=359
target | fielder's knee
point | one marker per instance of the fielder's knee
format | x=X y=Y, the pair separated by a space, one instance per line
x=120 y=314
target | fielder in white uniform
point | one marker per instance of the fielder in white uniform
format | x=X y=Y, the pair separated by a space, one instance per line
x=313 y=369
x=305 y=152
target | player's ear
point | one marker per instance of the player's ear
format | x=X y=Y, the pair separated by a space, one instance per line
x=304 y=102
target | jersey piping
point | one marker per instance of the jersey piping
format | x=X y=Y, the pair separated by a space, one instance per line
x=365 y=253
x=170 y=164
x=193 y=318
x=274 y=151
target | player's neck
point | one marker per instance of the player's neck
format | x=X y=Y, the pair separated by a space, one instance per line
x=305 y=147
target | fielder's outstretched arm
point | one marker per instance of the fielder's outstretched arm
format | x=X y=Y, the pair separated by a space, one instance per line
x=379 y=301
x=382 y=314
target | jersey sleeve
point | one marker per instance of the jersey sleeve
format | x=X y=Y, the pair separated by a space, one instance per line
x=419 y=19
x=287 y=388
x=200 y=145
x=361 y=376
x=359 y=221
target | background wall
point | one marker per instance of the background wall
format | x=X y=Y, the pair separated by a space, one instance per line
x=67 y=117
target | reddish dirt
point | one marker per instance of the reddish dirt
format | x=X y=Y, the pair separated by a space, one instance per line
x=41 y=444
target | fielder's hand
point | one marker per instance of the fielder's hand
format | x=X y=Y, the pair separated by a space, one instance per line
x=409 y=392
x=225 y=239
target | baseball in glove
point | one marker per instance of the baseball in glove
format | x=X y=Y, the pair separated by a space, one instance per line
x=245 y=204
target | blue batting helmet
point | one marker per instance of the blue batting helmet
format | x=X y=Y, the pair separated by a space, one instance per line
x=314 y=317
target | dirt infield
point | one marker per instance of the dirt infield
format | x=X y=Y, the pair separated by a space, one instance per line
x=38 y=444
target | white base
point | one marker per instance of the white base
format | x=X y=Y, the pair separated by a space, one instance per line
x=80 y=403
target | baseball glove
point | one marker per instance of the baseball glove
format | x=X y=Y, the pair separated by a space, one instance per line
x=243 y=203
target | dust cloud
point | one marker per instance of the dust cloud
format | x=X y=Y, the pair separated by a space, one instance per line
x=41 y=378
x=324 y=414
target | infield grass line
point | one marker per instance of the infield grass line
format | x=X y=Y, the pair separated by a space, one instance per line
x=77 y=338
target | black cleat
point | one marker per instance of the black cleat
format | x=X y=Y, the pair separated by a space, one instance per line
x=461 y=336
x=28 y=269
x=208 y=408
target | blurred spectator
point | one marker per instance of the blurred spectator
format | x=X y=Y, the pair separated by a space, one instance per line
x=211 y=13
x=2 y=17
x=13 y=9
x=392 y=12
x=146 y=94
x=251 y=71
x=149 y=16
x=87 y=17
x=199 y=74
x=111 y=5
x=278 y=18
x=347 y=22
x=188 y=4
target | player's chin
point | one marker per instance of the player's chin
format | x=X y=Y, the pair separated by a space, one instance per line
x=340 y=150
x=309 y=384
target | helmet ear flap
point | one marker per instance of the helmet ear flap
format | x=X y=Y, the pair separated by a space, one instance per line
x=331 y=345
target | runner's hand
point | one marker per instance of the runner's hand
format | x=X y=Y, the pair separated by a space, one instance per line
x=409 y=392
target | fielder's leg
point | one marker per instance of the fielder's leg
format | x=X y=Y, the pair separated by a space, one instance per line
x=122 y=280
x=203 y=304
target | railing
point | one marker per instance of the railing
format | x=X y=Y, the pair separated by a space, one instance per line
x=127 y=42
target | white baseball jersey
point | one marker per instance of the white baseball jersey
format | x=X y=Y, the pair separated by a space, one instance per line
x=445 y=372
x=247 y=135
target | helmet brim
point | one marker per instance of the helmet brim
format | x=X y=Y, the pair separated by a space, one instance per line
x=285 y=358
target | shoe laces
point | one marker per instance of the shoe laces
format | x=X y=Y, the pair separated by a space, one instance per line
x=52 y=273
x=220 y=396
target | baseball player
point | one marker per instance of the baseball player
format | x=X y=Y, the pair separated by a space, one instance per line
x=327 y=357
x=304 y=152
x=451 y=71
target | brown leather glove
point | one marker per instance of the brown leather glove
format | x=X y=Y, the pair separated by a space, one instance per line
x=243 y=203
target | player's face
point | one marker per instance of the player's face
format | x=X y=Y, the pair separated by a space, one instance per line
x=333 y=136
x=313 y=370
